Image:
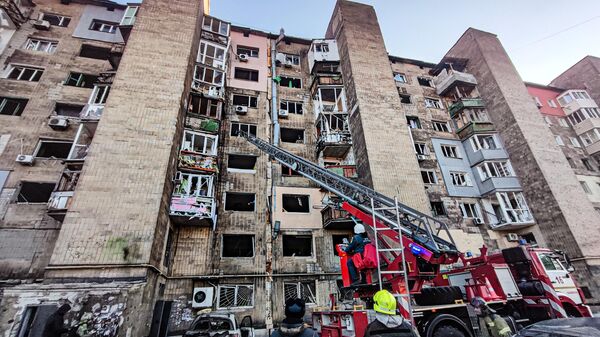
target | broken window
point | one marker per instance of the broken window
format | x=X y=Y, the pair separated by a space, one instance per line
x=24 y=73
x=413 y=122
x=81 y=80
x=93 y=52
x=321 y=47
x=241 y=202
x=12 y=106
x=450 y=151
x=338 y=239
x=292 y=135
x=288 y=172
x=211 y=54
x=129 y=16
x=193 y=185
x=440 y=126
x=41 y=45
x=246 y=74
x=460 y=179
x=215 y=25
x=241 y=162
x=231 y=296
x=588 y=165
x=250 y=51
x=469 y=210
x=331 y=99
x=336 y=122
x=574 y=142
x=421 y=149
x=425 y=82
x=291 y=107
x=100 y=94
x=405 y=98
x=104 y=26
x=295 y=203
x=53 y=149
x=245 y=100
x=514 y=207
x=400 y=78
x=69 y=110
x=204 y=106
x=305 y=290
x=429 y=177
x=248 y=128
x=495 y=169
x=292 y=59
x=208 y=75
x=35 y=192
x=437 y=208
x=433 y=103
x=586 y=187
x=199 y=143
x=485 y=142
x=290 y=82
x=297 y=245
x=237 y=245
x=56 y=20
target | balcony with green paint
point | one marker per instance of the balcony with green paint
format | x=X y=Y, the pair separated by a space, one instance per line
x=475 y=127
x=465 y=103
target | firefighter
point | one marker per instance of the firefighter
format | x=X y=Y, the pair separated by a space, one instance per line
x=387 y=322
x=356 y=246
x=293 y=324
x=495 y=325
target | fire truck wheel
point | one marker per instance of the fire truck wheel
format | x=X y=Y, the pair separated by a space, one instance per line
x=448 y=331
x=438 y=295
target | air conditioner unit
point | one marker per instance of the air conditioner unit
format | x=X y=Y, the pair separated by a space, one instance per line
x=41 y=24
x=58 y=123
x=288 y=64
x=283 y=113
x=202 y=297
x=240 y=109
x=25 y=159
x=512 y=237
x=421 y=157
x=243 y=57
x=478 y=221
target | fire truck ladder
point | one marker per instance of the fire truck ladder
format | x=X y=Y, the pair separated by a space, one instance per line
x=422 y=228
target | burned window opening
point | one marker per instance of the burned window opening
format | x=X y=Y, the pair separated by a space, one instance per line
x=437 y=208
x=246 y=74
x=237 y=245
x=292 y=135
x=295 y=203
x=56 y=20
x=68 y=110
x=241 y=162
x=81 y=80
x=35 y=192
x=12 y=106
x=290 y=82
x=297 y=245
x=237 y=127
x=53 y=149
x=244 y=100
x=240 y=202
x=203 y=106
x=288 y=172
x=93 y=52
x=405 y=98
x=425 y=82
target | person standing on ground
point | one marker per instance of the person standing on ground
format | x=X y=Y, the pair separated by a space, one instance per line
x=293 y=324
x=387 y=322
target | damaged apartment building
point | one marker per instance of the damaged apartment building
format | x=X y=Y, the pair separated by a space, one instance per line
x=127 y=191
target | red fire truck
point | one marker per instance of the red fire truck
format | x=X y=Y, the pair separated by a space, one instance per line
x=414 y=256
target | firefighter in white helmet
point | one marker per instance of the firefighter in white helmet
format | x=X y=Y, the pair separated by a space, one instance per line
x=495 y=325
x=356 y=246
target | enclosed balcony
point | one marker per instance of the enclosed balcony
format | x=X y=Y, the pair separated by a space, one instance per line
x=465 y=103
x=336 y=218
x=82 y=141
x=193 y=201
x=474 y=128
x=507 y=211
x=198 y=152
x=449 y=79
x=95 y=107
x=61 y=198
x=591 y=141
x=346 y=171
x=323 y=56
x=574 y=100
x=333 y=136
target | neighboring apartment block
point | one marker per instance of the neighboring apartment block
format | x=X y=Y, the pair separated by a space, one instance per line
x=127 y=191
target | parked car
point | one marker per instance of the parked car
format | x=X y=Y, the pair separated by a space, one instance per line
x=220 y=325
x=563 y=327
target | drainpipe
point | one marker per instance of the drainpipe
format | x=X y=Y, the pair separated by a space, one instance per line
x=274 y=111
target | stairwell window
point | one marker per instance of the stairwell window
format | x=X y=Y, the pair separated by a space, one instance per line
x=405 y=98
x=237 y=127
x=484 y=142
x=56 y=20
x=100 y=94
x=437 y=208
x=12 y=106
x=104 y=26
x=469 y=210
x=433 y=103
x=41 y=45
x=548 y=120
x=429 y=177
x=440 y=126
x=399 y=78
x=235 y=296
x=413 y=122
x=199 y=142
x=495 y=169
x=588 y=165
x=574 y=142
x=305 y=290
x=450 y=151
x=551 y=103
x=24 y=73
x=290 y=82
x=460 y=179
x=563 y=122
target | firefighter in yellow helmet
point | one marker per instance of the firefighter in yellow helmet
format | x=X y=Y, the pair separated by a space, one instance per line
x=387 y=322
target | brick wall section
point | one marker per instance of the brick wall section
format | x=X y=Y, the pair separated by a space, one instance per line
x=585 y=74
x=555 y=197
x=383 y=150
x=114 y=218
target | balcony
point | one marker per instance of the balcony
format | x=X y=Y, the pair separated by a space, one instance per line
x=475 y=127
x=193 y=161
x=91 y=112
x=61 y=198
x=594 y=148
x=346 y=171
x=449 y=79
x=335 y=144
x=335 y=218
x=201 y=123
x=321 y=52
x=464 y=103
x=574 y=100
x=587 y=125
x=207 y=90
x=82 y=142
x=507 y=211
x=193 y=211
x=499 y=184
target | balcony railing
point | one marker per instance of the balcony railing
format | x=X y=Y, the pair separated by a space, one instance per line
x=334 y=143
x=198 y=122
x=198 y=162
x=473 y=128
x=465 y=103
x=347 y=171
x=336 y=218
x=211 y=91
x=448 y=79
x=192 y=210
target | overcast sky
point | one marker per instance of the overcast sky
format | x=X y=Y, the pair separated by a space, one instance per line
x=542 y=37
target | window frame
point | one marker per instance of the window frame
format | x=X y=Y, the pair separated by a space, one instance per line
x=312 y=245
x=287 y=104
x=209 y=27
x=248 y=126
x=440 y=126
x=427 y=79
x=236 y=291
x=252 y=51
x=207 y=180
x=35 y=76
x=227 y=193
x=291 y=79
x=430 y=174
x=414 y=120
x=478 y=144
x=473 y=208
x=99 y=94
x=128 y=18
x=449 y=149
x=299 y=290
x=201 y=69
x=101 y=25
x=37 y=42
x=432 y=103
x=559 y=140
x=38 y=147
x=457 y=176
x=80 y=80
x=253 y=239
x=205 y=150
x=250 y=99
x=251 y=72
x=402 y=76
x=504 y=199
x=424 y=149
x=63 y=21
x=19 y=109
x=203 y=55
x=293 y=58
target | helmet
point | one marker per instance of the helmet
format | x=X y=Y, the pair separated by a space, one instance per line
x=481 y=307
x=359 y=229
x=385 y=302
